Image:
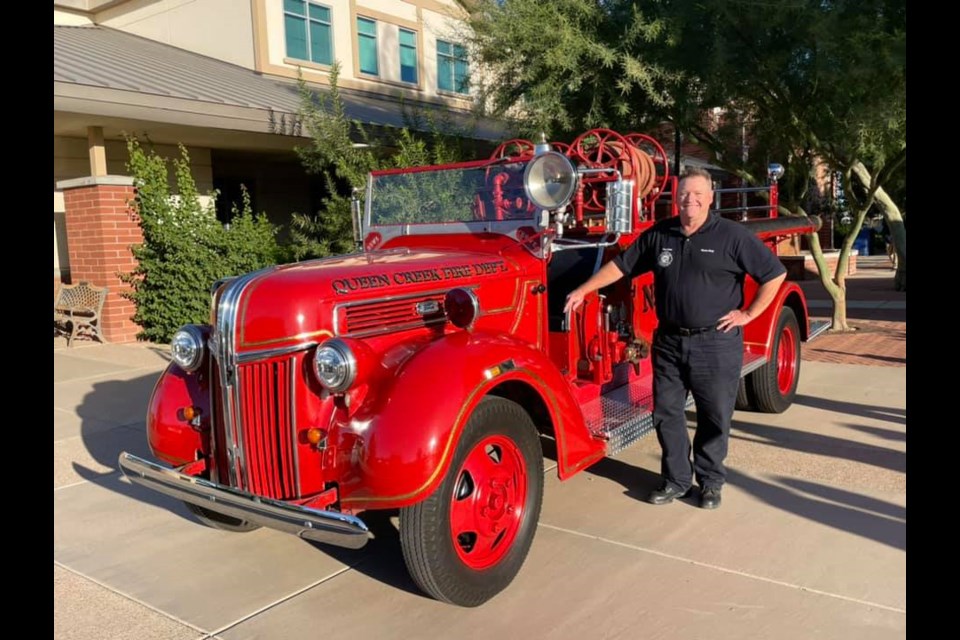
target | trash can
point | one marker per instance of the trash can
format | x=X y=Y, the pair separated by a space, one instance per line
x=862 y=243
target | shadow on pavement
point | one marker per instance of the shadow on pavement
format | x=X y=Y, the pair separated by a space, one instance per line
x=886 y=434
x=381 y=559
x=842 y=496
x=105 y=446
x=828 y=446
x=898 y=416
x=868 y=356
x=848 y=511
x=883 y=526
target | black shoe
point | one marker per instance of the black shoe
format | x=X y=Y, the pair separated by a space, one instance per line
x=667 y=494
x=710 y=498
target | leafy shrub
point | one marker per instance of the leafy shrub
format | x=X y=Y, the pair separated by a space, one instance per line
x=185 y=249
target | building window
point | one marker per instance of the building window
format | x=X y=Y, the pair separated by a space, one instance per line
x=408 y=56
x=307 y=27
x=453 y=72
x=367 y=40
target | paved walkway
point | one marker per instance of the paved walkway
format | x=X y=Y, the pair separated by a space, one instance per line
x=810 y=541
x=873 y=307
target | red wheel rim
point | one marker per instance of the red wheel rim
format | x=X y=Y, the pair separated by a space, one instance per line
x=515 y=148
x=786 y=361
x=488 y=502
x=600 y=148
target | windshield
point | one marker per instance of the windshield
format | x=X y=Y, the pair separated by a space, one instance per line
x=449 y=194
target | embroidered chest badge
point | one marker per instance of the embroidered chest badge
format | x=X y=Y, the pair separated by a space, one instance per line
x=665 y=259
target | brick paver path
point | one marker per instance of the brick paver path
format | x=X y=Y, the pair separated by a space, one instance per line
x=877 y=342
x=881 y=339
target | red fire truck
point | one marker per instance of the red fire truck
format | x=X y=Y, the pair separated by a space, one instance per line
x=422 y=373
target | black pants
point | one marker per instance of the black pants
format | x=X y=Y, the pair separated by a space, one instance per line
x=708 y=366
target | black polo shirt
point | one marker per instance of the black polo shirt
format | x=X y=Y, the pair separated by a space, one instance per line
x=699 y=279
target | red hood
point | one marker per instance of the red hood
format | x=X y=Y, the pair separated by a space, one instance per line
x=295 y=303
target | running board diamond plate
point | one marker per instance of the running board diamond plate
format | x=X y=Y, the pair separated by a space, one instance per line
x=624 y=415
x=817 y=327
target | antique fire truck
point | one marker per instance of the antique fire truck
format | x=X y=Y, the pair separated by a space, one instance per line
x=422 y=374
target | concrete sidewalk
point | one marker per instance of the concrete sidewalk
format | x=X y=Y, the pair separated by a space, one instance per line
x=810 y=541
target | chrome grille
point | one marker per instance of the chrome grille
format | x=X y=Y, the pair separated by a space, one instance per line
x=266 y=398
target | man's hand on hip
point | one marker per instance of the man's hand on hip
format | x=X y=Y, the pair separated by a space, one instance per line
x=735 y=318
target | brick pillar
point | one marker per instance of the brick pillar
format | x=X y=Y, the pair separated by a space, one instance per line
x=101 y=228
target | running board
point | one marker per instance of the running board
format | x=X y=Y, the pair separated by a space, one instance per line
x=817 y=327
x=624 y=415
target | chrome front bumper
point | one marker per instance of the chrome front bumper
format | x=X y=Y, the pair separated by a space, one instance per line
x=329 y=527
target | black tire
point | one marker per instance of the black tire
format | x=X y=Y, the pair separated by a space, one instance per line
x=774 y=385
x=467 y=541
x=220 y=521
x=744 y=402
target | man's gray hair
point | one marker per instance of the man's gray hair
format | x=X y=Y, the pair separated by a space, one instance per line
x=690 y=172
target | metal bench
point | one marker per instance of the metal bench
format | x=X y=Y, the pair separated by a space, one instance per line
x=78 y=307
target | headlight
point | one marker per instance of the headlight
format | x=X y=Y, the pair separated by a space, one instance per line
x=335 y=365
x=187 y=347
x=462 y=307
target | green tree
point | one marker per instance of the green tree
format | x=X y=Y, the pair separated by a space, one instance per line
x=185 y=249
x=804 y=82
x=344 y=152
x=816 y=81
x=565 y=66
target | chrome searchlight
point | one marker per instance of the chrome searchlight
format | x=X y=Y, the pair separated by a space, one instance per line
x=550 y=180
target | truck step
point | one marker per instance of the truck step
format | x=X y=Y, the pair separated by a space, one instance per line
x=817 y=327
x=752 y=362
x=624 y=415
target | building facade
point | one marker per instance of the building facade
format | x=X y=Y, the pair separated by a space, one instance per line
x=220 y=78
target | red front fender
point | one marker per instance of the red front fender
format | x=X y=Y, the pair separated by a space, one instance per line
x=406 y=440
x=170 y=437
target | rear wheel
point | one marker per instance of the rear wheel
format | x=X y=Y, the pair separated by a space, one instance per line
x=774 y=385
x=467 y=541
x=220 y=521
x=744 y=403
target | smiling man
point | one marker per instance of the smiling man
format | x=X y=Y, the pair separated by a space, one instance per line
x=699 y=261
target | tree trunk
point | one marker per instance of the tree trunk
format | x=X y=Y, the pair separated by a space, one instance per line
x=836 y=286
x=898 y=231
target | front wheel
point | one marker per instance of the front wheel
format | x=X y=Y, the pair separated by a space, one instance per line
x=774 y=385
x=467 y=541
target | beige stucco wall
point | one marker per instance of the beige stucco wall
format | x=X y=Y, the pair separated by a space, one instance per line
x=70 y=18
x=72 y=160
x=429 y=18
x=221 y=29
